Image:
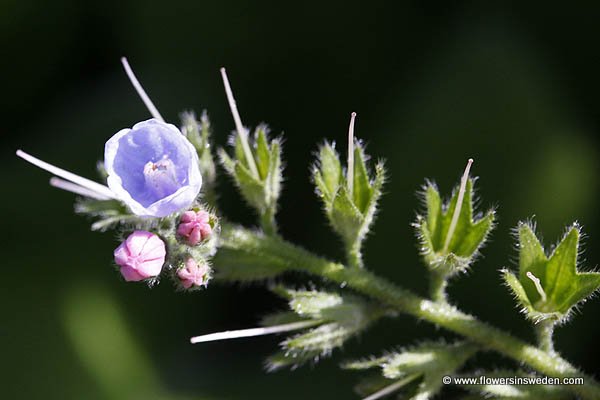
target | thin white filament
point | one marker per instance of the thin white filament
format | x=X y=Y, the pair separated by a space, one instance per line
x=74 y=188
x=238 y=124
x=140 y=90
x=293 y=326
x=459 y=202
x=392 y=388
x=71 y=177
x=538 y=285
x=350 y=172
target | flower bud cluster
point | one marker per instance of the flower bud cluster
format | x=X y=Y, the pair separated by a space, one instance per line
x=180 y=246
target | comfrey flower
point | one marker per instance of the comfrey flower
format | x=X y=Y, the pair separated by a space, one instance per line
x=152 y=168
x=140 y=256
x=193 y=274
x=194 y=226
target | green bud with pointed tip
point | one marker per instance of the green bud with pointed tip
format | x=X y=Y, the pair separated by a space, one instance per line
x=548 y=287
x=338 y=318
x=446 y=246
x=259 y=179
x=350 y=209
x=429 y=361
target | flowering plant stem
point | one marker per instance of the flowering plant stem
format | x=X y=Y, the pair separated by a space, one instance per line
x=544 y=331
x=437 y=286
x=285 y=256
x=267 y=221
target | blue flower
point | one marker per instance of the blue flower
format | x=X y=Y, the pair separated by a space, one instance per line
x=152 y=168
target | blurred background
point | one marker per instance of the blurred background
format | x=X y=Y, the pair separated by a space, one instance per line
x=513 y=86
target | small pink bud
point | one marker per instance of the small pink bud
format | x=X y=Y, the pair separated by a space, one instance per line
x=194 y=226
x=193 y=274
x=140 y=256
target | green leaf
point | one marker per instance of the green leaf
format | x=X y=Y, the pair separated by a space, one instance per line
x=561 y=286
x=433 y=229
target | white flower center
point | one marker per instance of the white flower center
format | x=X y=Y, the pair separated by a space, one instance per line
x=161 y=177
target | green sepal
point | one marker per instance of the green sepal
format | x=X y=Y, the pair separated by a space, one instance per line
x=282 y=359
x=261 y=190
x=108 y=213
x=429 y=360
x=362 y=186
x=345 y=217
x=199 y=133
x=251 y=188
x=433 y=227
x=563 y=286
x=327 y=174
x=280 y=318
x=338 y=318
x=350 y=214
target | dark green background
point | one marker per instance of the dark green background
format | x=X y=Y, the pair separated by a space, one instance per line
x=515 y=87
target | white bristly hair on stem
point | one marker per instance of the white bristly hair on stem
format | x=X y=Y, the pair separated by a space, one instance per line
x=350 y=171
x=95 y=187
x=538 y=285
x=293 y=326
x=238 y=124
x=140 y=90
x=392 y=388
x=457 y=208
x=74 y=188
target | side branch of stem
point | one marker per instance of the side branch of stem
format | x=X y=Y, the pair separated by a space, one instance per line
x=291 y=257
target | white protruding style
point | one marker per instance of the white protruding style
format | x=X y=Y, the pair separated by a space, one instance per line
x=140 y=90
x=238 y=124
x=538 y=285
x=350 y=171
x=293 y=326
x=457 y=208
x=90 y=185
x=74 y=188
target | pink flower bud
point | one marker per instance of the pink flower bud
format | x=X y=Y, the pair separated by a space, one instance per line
x=193 y=274
x=194 y=226
x=140 y=256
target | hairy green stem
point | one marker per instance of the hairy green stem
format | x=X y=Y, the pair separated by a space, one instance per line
x=437 y=286
x=283 y=256
x=267 y=221
x=544 y=331
x=353 y=255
